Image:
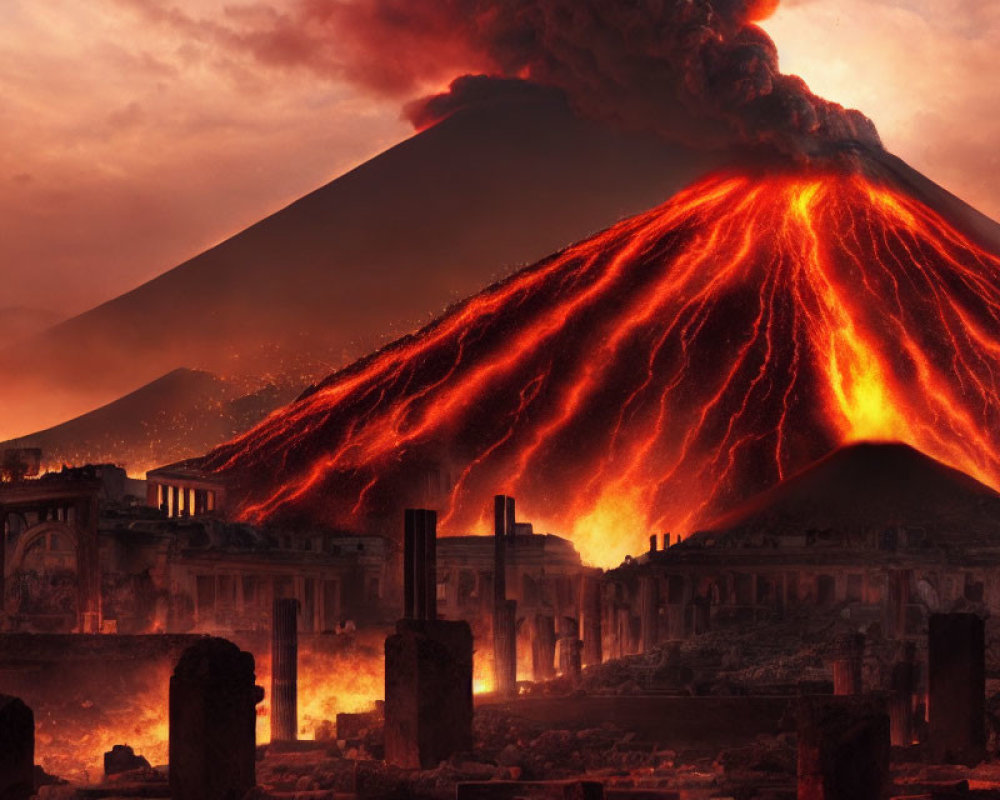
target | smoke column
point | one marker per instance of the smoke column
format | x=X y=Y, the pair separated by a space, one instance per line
x=697 y=70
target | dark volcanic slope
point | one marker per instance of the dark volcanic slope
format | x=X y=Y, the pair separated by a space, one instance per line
x=370 y=256
x=174 y=417
x=867 y=488
x=661 y=372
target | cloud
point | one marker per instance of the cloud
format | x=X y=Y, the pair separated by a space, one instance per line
x=146 y=142
x=691 y=69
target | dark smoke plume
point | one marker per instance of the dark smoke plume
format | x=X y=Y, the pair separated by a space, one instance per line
x=691 y=69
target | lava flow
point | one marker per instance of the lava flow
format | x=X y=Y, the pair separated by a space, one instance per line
x=650 y=377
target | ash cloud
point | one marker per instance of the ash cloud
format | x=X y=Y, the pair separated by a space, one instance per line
x=695 y=70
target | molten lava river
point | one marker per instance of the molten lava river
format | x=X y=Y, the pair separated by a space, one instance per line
x=652 y=376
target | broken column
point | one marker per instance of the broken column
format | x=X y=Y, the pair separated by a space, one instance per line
x=428 y=692
x=213 y=721
x=419 y=564
x=843 y=748
x=847 y=666
x=428 y=662
x=903 y=686
x=17 y=749
x=956 y=688
x=284 y=670
x=504 y=610
x=543 y=648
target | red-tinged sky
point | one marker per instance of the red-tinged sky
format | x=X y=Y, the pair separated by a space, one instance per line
x=134 y=133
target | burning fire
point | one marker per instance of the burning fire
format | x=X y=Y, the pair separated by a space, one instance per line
x=650 y=377
x=330 y=683
x=74 y=732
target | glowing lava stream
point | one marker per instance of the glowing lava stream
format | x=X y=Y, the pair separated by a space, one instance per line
x=651 y=376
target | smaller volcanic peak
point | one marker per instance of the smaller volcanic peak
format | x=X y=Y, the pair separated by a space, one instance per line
x=179 y=414
x=660 y=372
x=864 y=488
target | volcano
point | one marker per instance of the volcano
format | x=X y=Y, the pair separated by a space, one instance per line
x=864 y=489
x=665 y=370
x=356 y=263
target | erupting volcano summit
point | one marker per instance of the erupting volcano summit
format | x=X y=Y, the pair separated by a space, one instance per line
x=652 y=376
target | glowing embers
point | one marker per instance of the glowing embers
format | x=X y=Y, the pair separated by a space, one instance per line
x=653 y=375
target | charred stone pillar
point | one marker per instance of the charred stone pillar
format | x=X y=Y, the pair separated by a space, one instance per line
x=543 y=648
x=213 y=722
x=152 y=494
x=17 y=749
x=843 y=749
x=957 y=688
x=592 y=646
x=499 y=550
x=428 y=692
x=284 y=670
x=649 y=605
x=847 y=666
x=419 y=564
x=901 y=698
x=409 y=564
x=504 y=611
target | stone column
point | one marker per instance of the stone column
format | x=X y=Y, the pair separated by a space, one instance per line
x=504 y=611
x=284 y=670
x=409 y=563
x=213 y=722
x=957 y=688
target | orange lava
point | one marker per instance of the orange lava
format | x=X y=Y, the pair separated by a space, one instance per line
x=650 y=377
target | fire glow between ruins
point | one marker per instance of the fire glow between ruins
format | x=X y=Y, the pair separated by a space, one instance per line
x=628 y=429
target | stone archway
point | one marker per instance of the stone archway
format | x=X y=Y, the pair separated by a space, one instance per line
x=42 y=577
x=58 y=513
